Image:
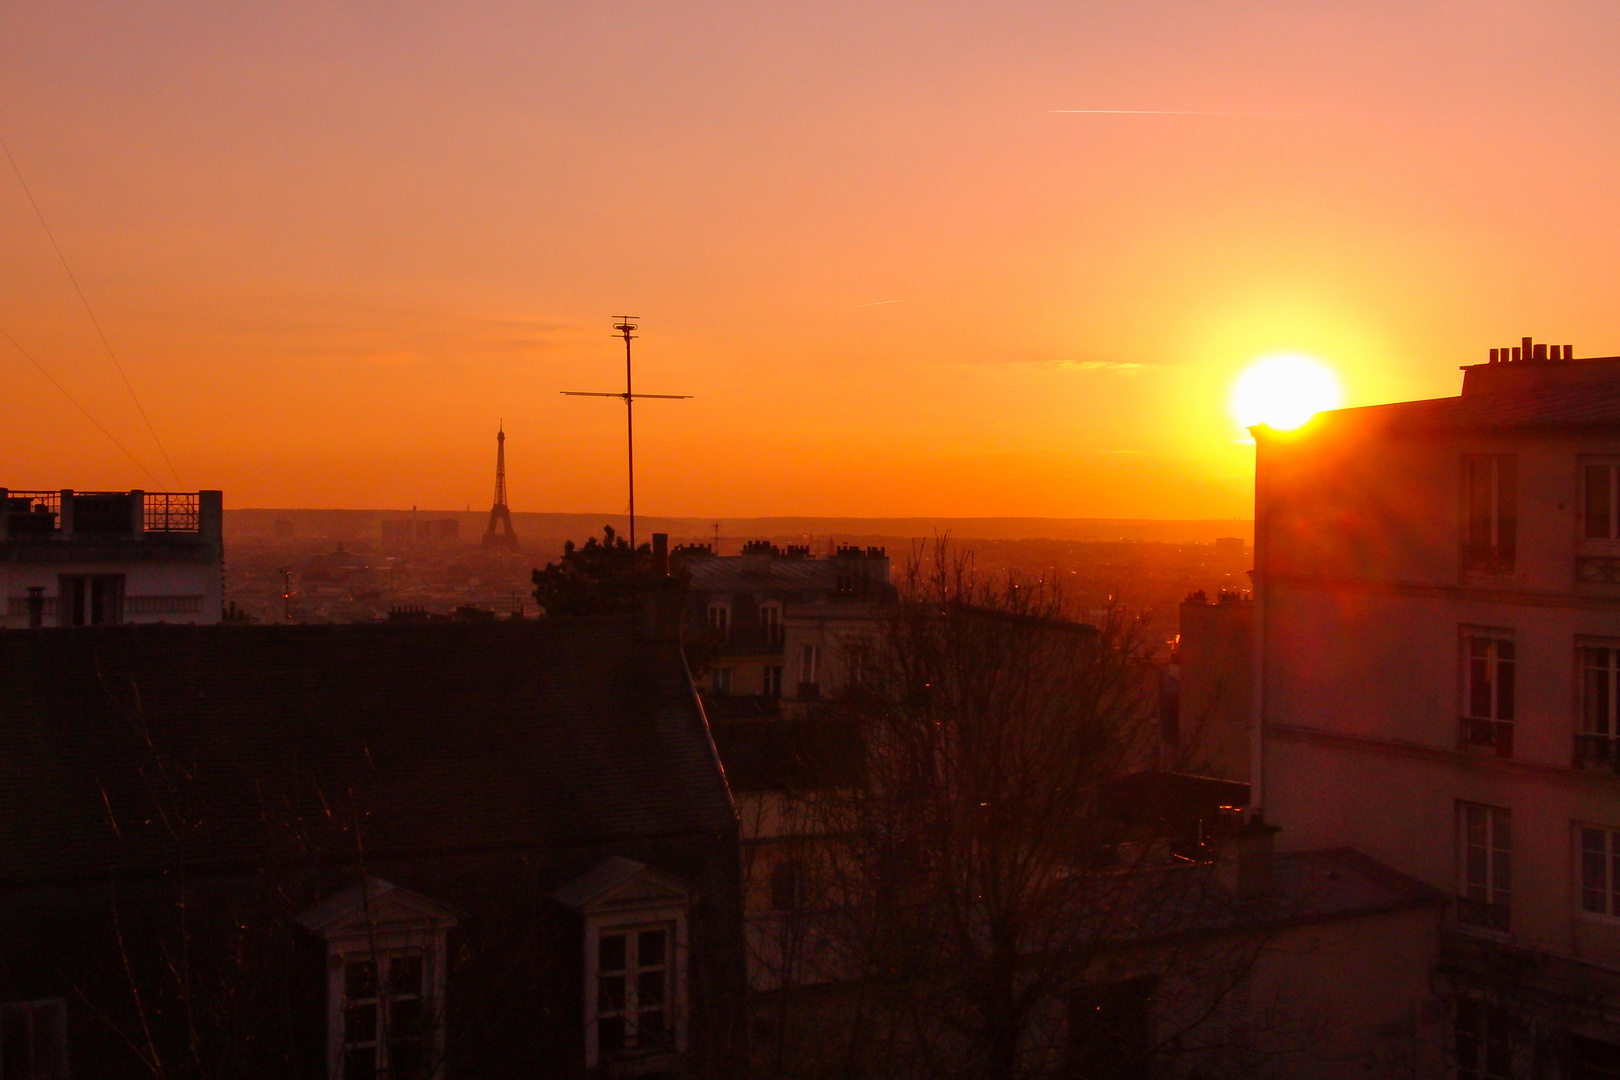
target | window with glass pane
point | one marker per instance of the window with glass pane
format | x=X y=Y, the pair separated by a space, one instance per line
x=1489 y=693
x=770 y=623
x=385 y=1024
x=1600 y=727
x=31 y=1040
x=1600 y=871
x=1490 y=497
x=1485 y=870
x=1484 y=1045
x=633 y=990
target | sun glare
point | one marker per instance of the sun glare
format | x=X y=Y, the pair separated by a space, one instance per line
x=1283 y=392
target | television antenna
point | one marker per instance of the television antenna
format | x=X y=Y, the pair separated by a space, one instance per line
x=623 y=329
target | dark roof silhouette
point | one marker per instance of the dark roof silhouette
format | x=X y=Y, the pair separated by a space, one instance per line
x=129 y=748
x=1593 y=404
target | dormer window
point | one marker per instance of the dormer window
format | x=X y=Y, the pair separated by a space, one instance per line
x=635 y=965
x=385 y=950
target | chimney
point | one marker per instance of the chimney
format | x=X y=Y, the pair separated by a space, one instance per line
x=1541 y=352
x=1525 y=344
x=36 y=606
x=1515 y=352
x=661 y=554
x=1493 y=355
x=1244 y=866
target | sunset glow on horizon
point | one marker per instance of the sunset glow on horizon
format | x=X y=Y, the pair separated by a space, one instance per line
x=909 y=259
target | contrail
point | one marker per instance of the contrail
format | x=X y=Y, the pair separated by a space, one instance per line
x=1202 y=112
x=880 y=303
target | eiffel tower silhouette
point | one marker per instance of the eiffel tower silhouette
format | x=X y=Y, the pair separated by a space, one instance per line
x=500 y=532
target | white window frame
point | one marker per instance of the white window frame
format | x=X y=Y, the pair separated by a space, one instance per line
x=1597 y=712
x=719 y=619
x=1610 y=483
x=1597 y=871
x=1489 y=670
x=770 y=622
x=1485 y=864
x=720 y=683
x=379 y=922
x=57 y=1007
x=631 y=925
x=810 y=664
x=1496 y=550
x=771 y=683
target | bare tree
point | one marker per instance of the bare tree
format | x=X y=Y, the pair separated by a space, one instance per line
x=969 y=891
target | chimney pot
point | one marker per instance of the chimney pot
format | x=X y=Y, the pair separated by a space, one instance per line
x=1493 y=355
x=1516 y=352
x=1541 y=352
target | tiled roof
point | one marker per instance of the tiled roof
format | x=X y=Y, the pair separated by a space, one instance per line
x=128 y=748
x=1594 y=404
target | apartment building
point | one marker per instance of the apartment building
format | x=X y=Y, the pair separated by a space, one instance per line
x=1437 y=679
x=90 y=558
x=785 y=626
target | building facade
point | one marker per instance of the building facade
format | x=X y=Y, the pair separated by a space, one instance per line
x=1437 y=643
x=784 y=627
x=82 y=558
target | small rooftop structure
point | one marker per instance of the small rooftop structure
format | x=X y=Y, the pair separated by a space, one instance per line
x=77 y=558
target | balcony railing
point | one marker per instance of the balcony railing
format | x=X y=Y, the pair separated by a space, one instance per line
x=33 y=513
x=1597 y=752
x=1597 y=570
x=1485 y=733
x=170 y=511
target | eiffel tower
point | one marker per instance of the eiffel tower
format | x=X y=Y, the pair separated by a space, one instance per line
x=500 y=532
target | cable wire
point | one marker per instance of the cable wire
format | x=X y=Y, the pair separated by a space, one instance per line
x=29 y=357
x=93 y=320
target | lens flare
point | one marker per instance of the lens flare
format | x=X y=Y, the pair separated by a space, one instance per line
x=1283 y=392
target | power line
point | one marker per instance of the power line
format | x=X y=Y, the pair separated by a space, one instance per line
x=76 y=404
x=93 y=320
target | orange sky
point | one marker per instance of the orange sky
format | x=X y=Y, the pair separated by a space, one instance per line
x=333 y=243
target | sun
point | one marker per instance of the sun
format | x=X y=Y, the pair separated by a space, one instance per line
x=1284 y=391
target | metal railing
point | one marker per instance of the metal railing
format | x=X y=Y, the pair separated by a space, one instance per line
x=1597 y=570
x=1485 y=732
x=33 y=513
x=1597 y=751
x=170 y=511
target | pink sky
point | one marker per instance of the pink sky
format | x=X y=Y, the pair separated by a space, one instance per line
x=333 y=245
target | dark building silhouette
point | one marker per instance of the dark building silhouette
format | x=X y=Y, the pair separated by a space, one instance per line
x=473 y=849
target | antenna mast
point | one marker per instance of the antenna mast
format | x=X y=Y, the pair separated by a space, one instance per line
x=623 y=328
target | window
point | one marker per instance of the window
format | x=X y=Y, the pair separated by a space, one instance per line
x=1600 y=870
x=633 y=991
x=1488 y=693
x=33 y=1040
x=1485 y=865
x=1600 y=486
x=385 y=949
x=386 y=1027
x=720 y=620
x=720 y=679
x=1599 y=737
x=809 y=670
x=635 y=964
x=787 y=885
x=1490 y=506
x=773 y=680
x=1484 y=1044
x=90 y=599
x=770 y=623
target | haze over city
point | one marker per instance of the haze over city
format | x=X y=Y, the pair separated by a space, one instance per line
x=942 y=259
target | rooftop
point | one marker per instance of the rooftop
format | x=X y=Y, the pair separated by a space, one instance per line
x=128 y=748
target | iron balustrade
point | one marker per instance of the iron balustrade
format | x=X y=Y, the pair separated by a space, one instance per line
x=171 y=511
